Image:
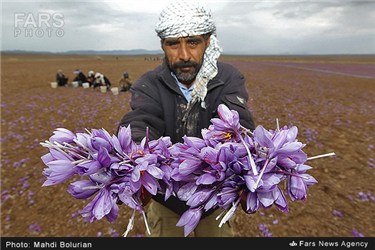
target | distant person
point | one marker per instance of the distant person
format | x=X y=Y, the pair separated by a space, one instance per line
x=80 y=77
x=125 y=83
x=91 y=78
x=101 y=80
x=61 y=79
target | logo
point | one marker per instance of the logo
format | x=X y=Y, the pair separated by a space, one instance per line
x=38 y=25
x=293 y=244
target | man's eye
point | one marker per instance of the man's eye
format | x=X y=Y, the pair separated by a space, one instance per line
x=194 y=43
x=174 y=45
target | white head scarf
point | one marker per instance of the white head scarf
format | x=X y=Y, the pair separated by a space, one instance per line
x=188 y=18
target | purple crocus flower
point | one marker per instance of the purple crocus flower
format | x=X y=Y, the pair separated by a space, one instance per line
x=55 y=154
x=185 y=191
x=227 y=127
x=298 y=182
x=101 y=139
x=281 y=202
x=58 y=171
x=123 y=143
x=103 y=205
x=213 y=170
x=227 y=196
x=88 y=167
x=82 y=189
x=190 y=219
x=199 y=197
x=186 y=157
x=146 y=173
x=233 y=157
x=356 y=233
x=62 y=135
x=337 y=213
x=100 y=159
x=104 y=176
x=127 y=195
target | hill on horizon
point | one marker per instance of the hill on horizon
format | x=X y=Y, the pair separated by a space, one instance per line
x=89 y=52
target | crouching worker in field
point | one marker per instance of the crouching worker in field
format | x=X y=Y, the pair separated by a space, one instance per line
x=61 y=79
x=79 y=77
x=180 y=97
x=91 y=78
x=101 y=80
x=124 y=83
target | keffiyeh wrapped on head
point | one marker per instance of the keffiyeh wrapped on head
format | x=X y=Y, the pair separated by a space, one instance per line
x=189 y=18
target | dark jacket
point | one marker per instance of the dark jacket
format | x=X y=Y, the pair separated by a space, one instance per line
x=102 y=82
x=107 y=81
x=61 y=79
x=158 y=103
x=80 y=78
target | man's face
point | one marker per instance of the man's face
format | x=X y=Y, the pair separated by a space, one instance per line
x=185 y=56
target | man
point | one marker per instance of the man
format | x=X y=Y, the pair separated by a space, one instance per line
x=124 y=83
x=101 y=80
x=180 y=97
x=91 y=78
x=61 y=79
x=79 y=77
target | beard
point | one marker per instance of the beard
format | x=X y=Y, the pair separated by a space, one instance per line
x=185 y=76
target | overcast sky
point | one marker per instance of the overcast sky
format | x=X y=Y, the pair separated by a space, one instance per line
x=245 y=27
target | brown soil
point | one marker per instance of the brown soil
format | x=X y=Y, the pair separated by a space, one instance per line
x=332 y=108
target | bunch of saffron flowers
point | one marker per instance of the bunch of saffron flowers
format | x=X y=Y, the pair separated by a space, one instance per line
x=230 y=165
x=113 y=169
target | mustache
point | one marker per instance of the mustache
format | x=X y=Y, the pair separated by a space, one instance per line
x=183 y=64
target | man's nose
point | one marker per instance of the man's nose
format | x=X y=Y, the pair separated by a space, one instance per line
x=184 y=52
